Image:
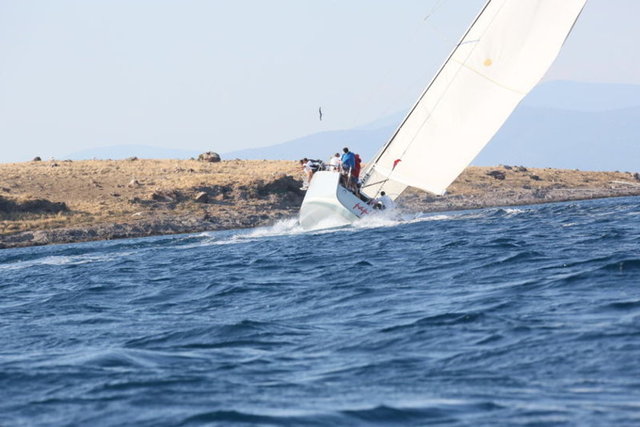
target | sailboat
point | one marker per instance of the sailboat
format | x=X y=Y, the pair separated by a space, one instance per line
x=506 y=51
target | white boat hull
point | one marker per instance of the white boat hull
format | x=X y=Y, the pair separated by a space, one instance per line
x=328 y=204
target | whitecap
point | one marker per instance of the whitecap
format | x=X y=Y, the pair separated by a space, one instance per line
x=513 y=211
x=60 y=260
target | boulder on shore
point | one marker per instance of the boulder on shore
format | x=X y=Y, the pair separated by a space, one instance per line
x=209 y=156
x=497 y=175
x=166 y=196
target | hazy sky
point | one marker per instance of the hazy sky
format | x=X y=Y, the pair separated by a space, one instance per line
x=224 y=75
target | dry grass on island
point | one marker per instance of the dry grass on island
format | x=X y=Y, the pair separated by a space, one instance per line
x=481 y=187
x=143 y=197
x=64 y=201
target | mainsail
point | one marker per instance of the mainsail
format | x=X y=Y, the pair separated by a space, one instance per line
x=503 y=55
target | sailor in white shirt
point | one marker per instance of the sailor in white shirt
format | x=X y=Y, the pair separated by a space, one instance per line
x=308 y=172
x=386 y=201
x=334 y=163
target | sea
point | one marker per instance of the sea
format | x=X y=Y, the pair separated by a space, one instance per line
x=526 y=316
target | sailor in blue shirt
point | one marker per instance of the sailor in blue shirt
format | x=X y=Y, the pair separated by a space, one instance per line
x=348 y=160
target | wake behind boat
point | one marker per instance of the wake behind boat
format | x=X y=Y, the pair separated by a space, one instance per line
x=505 y=52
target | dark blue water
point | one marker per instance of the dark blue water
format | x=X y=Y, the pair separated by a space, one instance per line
x=527 y=316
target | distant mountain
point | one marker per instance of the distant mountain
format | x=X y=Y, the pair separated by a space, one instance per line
x=581 y=96
x=364 y=140
x=319 y=145
x=545 y=137
x=589 y=126
x=116 y=152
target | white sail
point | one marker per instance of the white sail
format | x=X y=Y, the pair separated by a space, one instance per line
x=503 y=55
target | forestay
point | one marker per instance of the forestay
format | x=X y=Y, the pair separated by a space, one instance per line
x=503 y=55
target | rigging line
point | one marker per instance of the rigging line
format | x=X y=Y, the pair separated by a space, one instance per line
x=455 y=49
x=436 y=30
x=428 y=87
x=438 y=5
x=379 y=182
x=462 y=65
x=434 y=9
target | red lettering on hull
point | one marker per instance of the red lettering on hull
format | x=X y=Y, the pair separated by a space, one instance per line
x=363 y=210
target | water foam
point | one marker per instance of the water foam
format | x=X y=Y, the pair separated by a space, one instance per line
x=62 y=260
x=291 y=226
x=513 y=211
x=284 y=227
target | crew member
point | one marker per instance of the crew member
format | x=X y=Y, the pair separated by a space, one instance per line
x=386 y=201
x=348 y=164
x=348 y=160
x=310 y=166
x=356 y=169
x=308 y=172
x=335 y=162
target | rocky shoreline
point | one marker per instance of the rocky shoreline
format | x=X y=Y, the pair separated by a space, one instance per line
x=173 y=197
x=509 y=199
x=106 y=231
x=195 y=224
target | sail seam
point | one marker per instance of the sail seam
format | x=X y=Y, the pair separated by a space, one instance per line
x=484 y=76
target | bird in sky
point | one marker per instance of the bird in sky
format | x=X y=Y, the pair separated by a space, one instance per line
x=320 y=113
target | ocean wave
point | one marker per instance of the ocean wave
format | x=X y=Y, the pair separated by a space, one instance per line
x=63 y=260
x=458 y=318
x=438 y=320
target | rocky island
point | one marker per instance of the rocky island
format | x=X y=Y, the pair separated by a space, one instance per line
x=46 y=202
